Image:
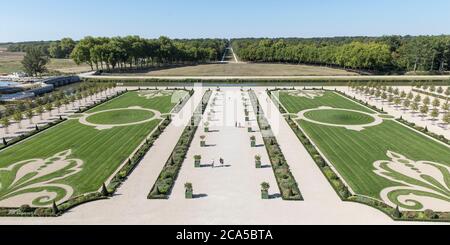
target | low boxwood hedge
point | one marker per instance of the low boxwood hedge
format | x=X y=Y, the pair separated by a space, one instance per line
x=166 y=179
x=286 y=182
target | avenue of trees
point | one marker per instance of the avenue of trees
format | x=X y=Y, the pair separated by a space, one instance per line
x=16 y=112
x=384 y=54
x=136 y=52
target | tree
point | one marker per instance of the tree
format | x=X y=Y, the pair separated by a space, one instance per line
x=34 y=62
x=440 y=90
x=18 y=116
x=403 y=94
x=418 y=98
x=384 y=96
x=58 y=105
x=426 y=101
x=406 y=103
x=446 y=118
x=436 y=102
x=424 y=110
x=5 y=123
x=29 y=114
x=433 y=89
x=40 y=110
x=446 y=106
x=435 y=113
x=49 y=108
x=414 y=106
x=410 y=96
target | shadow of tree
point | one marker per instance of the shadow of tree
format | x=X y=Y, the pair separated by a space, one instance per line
x=198 y=196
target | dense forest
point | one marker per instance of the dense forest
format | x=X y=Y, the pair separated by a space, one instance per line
x=382 y=54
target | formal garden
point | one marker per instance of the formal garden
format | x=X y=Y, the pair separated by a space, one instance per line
x=368 y=156
x=85 y=157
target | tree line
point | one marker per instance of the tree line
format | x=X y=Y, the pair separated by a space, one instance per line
x=136 y=52
x=60 y=49
x=384 y=54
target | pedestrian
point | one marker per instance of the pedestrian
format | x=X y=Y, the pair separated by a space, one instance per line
x=212 y=164
x=222 y=162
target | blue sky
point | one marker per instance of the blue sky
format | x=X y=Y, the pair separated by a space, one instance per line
x=53 y=19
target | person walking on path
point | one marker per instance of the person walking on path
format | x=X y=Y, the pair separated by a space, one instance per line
x=212 y=163
x=222 y=162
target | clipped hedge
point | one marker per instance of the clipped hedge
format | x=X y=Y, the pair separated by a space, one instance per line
x=166 y=179
x=424 y=130
x=286 y=182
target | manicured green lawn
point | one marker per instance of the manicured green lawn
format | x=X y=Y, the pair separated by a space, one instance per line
x=120 y=116
x=101 y=151
x=353 y=153
x=295 y=104
x=164 y=104
x=339 y=117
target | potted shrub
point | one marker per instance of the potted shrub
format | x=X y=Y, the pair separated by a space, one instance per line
x=258 y=161
x=202 y=141
x=206 y=125
x=265 y=190
x=197 y=160
x=189 y=190
x=250 y=129
x=253 y=141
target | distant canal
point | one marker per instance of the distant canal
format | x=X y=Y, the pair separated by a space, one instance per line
x=7 y=83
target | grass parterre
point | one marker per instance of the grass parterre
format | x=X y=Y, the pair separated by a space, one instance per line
x=73 y=159
x=377 y=163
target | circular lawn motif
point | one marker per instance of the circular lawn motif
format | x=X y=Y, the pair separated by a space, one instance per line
x=123 y=116
x=336 y=117
x=339 y=117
